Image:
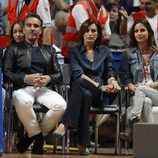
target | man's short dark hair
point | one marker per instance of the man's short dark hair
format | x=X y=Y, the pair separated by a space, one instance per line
x=33 y=15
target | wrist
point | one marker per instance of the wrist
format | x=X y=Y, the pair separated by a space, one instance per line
x=111 y=81
x=100 y=86
x=25 y=79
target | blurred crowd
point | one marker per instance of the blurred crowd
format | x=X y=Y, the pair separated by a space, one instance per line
x=55 y=14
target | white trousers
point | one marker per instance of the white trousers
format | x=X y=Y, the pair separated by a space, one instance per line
x=23 y=100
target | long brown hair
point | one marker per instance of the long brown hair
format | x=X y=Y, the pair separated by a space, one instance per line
x=151 y=40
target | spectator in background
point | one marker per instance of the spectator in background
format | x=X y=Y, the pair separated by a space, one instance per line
x=120 y=3
x=16 y=36
x=2 y=30
x=59 y=27
x=139 y=71
x=83 y=10
x=131 y=6
x=16 y=32
x=88 y=82
x=149 y=12
x=112 y=1
x=117 y=41
x=18 y=9
x=33 y=69
x=58 y=5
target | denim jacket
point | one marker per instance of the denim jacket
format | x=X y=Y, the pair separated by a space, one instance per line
x=131 y=66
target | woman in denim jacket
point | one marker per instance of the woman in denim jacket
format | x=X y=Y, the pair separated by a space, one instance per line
x=139 y=72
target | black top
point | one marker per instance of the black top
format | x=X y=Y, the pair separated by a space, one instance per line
x=38 y=64
x=17 y=63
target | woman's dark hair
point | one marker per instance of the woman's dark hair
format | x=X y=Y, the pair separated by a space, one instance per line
x=151 y=39
x=27 y=2
x=109 y=7
x=19 y=22
x=84 y=28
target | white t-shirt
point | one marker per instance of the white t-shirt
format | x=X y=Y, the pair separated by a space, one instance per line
x=4 y=4
x=136 y=3
x=80 y=15
x=153 y=22
x=43 y=11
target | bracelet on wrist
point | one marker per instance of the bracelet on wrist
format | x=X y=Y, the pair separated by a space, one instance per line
x=25 y=79
x=100 y=86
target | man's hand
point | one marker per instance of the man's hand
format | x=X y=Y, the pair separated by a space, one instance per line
x=31 y=78
x=42 y=81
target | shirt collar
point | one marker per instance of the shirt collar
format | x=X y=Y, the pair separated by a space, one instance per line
x=83 y=48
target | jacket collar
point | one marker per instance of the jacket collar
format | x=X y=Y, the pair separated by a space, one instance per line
x=82 y=48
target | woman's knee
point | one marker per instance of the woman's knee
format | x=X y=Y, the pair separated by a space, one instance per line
x=78 y=81
x=87 y=94
x=63 y=105
x=147 y=104
x=59 y=106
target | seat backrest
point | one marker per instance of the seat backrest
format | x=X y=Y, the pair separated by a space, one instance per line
x=116 y=55
x=1 y=118
x=66 y=72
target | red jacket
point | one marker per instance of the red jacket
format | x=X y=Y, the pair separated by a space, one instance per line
x=138 y=15
x=12 y=16
x=12 y=10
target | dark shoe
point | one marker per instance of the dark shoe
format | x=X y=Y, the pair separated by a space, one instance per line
x=38 y=144
x=127 y=135
x=23 y=145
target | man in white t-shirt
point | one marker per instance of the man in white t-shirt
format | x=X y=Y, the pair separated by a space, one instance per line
x=149 y=11
x=80 y=19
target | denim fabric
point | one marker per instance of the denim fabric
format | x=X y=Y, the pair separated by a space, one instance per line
x=131 y=66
